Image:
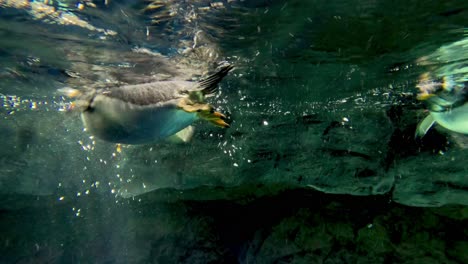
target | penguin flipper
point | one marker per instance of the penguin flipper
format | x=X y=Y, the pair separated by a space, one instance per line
x=424 y=126
x=183 y=136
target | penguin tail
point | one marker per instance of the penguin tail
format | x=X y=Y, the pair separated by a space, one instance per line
x=209 y=85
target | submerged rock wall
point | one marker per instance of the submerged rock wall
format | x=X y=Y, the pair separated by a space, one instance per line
x=300 y=226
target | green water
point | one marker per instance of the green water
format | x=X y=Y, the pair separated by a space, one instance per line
x=320 y=164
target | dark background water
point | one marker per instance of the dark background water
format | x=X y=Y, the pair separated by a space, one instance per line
x=319 y=165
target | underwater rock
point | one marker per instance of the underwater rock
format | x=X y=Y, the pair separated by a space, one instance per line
x=239 y=226
x=457 y=212
x=458 y=251
x=296 y=239
x=373 y=238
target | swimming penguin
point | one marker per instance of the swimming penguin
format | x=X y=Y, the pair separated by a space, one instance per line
x=146 y=113
x=447 y=102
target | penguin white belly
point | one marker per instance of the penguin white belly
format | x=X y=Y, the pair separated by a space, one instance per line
x=121 y=122
x=455 y=120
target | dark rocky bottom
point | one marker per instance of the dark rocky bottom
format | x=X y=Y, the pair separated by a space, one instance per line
x=278 y=226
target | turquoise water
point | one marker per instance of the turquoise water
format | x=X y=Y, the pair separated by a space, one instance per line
x=319 y=165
